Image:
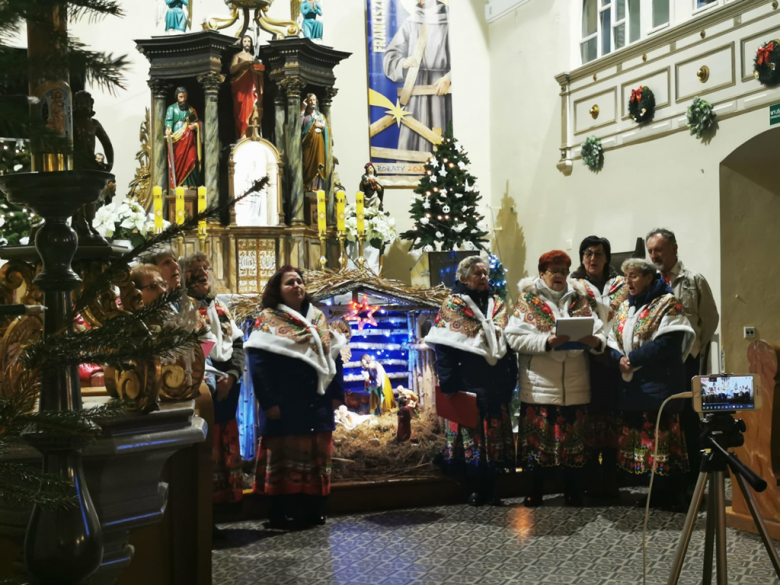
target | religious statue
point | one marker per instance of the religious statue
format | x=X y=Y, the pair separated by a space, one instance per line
x=177 y=15
x=372 y=189
x=404 y=431
x=86 y=131
x=312 y=28
x=57 y=116
x=378 y=386
x=247 y=86
x=183 y=134
x=420 y=51
x=315 y=143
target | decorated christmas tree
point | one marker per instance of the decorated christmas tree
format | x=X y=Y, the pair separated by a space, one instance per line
x=497 y=276
x=444 y=208
x=15 y=220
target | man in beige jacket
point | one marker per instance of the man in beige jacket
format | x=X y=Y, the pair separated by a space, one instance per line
x=692 y=290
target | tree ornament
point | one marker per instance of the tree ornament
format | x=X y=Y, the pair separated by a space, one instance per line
x=443 y=171
x=434 y=163
x=424 y=220
x=446 y=209
x=592 y=153
x=439 y=235
x=427 y=204
x=641 y=105
x=428 y=248
x=766 y=64
x=433 y=178
x=701 y=117
x=462 y=166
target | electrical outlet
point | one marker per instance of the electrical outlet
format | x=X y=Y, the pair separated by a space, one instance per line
x=750 y=332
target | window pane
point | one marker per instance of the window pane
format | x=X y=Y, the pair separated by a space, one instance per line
x=620 y=36
x=606 y=31
x=634 y=21
x=701 y=3
x=589 y=50
x=660 y=12
x=620 y=10
x=590 y=14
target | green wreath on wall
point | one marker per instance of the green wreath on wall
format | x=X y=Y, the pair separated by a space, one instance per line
x=592 y=153
x=641 y=105
x=766 y=64
x=700 y=117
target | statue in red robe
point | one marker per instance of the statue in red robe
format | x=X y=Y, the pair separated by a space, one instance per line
x=247 y=87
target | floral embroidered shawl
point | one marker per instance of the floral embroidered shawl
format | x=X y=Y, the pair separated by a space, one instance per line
x=533 y=311
x=462 y=325
x=286 y=332
x=224 y=332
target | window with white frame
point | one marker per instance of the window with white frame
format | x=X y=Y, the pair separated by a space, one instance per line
x=610 y=25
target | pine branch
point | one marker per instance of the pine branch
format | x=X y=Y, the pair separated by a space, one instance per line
x=68 y=423
x=25 y=484
x=116 y=268
x=94 y=9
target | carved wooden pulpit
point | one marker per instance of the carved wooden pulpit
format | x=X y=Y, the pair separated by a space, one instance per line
x=762 y=442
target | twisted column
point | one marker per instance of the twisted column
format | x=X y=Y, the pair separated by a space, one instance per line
x=159 y=162
x=211 y=83
x=294 y=88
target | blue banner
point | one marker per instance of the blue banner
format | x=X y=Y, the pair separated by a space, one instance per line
x=409 y=80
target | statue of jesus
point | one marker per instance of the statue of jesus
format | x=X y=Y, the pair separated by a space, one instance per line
x=247 y=86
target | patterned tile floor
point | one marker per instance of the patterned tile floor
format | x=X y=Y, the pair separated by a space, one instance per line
x=460 y=545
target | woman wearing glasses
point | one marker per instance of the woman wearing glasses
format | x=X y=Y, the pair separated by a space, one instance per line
x=603 y=430
x=148 y=279
x=554 y=381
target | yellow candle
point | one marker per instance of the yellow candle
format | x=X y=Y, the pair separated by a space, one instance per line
x=321 y=214
x=179 y=205
x=201 y=209
x=341 y=200
x=158 y=209
x=360 y=212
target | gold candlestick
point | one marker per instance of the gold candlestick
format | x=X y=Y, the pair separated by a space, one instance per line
x=361 y=256
x=323 y=243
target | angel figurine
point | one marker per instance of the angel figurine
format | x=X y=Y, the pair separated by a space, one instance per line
x=177 y=13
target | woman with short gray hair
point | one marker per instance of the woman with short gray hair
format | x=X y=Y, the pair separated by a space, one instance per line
x=648 y=342
x=472 y=356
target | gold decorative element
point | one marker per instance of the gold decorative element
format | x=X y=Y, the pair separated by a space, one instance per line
x=269 y=24
x=595 y=77
x=703 y=73
x=703 y=34
x=19 y=333
x=261 y=8
x=141 y=185
x=138 y=384
x=774 y=5
x=181 y=380
x=13 y=276
x=644 y=57
x=220 y=23
x=106 y=307
x=594 y=111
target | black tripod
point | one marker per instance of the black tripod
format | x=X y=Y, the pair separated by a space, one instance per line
x=720 y=432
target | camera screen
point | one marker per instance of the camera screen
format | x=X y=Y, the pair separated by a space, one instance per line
x=727 y=393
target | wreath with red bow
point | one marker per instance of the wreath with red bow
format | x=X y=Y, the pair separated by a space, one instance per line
x=766 y=65
x=641 y=105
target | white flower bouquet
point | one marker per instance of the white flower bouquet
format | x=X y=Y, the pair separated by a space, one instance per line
x=124 y=220
x=380 y=227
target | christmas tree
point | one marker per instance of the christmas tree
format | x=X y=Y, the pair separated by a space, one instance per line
x=497 y=276
x=15 y=220
x=444 y=208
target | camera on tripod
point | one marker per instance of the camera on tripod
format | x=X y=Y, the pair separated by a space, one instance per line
x=726 y=393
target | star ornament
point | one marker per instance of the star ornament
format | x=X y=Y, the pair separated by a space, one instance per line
x=362 y=313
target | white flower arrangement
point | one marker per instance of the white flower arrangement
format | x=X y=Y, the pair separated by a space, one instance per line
x=125 y=220
x=380 y=227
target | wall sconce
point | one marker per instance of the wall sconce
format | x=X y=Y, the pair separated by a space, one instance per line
x=703 y=73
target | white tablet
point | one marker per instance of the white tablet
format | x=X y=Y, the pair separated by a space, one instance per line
x=575 y=327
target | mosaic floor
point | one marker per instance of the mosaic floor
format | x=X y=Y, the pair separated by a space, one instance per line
x=511 y=545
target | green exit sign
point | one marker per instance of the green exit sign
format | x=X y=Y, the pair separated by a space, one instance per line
x=774 y=114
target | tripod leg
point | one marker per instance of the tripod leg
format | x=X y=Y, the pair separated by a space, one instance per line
x=685 y=535
x=751 y=503
x=709 y=535
x=718 y=481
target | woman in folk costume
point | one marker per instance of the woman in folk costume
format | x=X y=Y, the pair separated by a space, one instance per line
x=554 y=380
x=472 y=356
x=297 y=372
x=648 y=343
x=601 y=435
x=227 y=356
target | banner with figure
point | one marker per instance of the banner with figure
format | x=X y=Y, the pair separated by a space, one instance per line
x=409 y=82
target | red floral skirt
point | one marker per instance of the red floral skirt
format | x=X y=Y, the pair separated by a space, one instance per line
x=637 y=443
x=226 y=475
x=553 y=436
x=294 y=464
x=491 y=446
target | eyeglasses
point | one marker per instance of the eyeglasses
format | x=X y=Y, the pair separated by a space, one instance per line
x=593 y=254
x=558 y=272
x=155 y=286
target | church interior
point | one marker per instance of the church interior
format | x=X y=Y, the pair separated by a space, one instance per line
x=389 y=291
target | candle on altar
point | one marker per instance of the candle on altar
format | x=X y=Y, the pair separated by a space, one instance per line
x=158 y=209
x=360 y=212
x=341 y=201
x=202 y=208
x=321 y=213
x=179 y=205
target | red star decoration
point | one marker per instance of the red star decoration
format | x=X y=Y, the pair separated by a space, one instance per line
x=362 y=312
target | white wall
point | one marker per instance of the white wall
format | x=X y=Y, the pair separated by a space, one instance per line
x=345 y=29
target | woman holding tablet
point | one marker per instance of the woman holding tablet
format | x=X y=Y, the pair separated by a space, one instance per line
x=554 y=381
x=648 y=343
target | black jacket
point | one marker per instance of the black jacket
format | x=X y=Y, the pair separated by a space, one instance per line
x=291 y=384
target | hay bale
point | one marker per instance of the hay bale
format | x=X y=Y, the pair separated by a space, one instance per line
x=369 y=453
